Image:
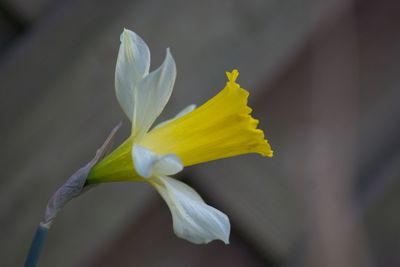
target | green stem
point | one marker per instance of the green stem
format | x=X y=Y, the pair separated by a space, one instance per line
x=36 y=245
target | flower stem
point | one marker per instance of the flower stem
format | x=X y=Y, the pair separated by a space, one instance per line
x=36 y=245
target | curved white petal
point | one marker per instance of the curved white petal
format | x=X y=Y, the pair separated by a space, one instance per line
x=151 y=96
x=169 y=164
x=181 y=113
x=193 y=219
x=147 y=163
x=133 y=64
x=143 y=159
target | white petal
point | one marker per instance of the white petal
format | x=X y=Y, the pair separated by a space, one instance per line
x=132 y=65
x=143 y=159
x=151 y=96
x=147 y=163
x=193 y=219
x=169 y=164
x=181 y=113
x=185 y=111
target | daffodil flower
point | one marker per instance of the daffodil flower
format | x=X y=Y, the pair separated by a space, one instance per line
x=220 y=128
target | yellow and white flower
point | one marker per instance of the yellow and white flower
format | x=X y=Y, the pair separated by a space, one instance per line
x=220 y=128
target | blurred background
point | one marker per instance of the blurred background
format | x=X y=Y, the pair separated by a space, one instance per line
x=324 y=81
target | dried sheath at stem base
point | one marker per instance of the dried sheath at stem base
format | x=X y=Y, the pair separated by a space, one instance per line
x=76 y=184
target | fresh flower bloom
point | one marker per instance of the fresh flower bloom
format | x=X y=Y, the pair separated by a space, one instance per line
x=220 y=128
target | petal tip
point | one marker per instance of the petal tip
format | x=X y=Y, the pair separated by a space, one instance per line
x=124 y=34
x=169 y=56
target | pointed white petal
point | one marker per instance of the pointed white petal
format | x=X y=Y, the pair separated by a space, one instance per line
x=133 y=64
x=147 y=163
x=193 y=219
x=185 y=111
x=181 y=113
x=151 y=96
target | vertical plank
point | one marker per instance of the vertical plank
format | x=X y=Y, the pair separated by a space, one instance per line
x=333 y=235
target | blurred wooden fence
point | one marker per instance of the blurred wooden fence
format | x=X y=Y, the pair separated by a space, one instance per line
x=323 y=76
